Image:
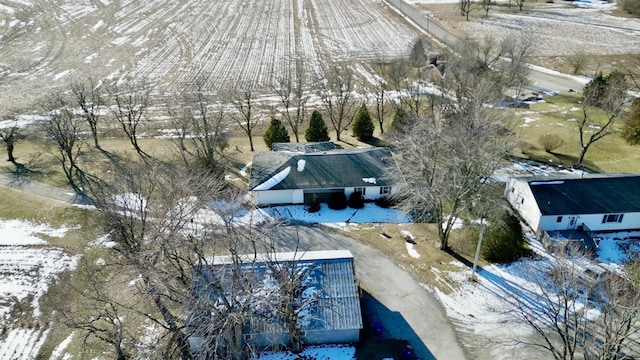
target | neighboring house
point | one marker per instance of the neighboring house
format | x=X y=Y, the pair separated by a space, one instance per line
x=332 y=312
x=596 y=202
x=294 y=177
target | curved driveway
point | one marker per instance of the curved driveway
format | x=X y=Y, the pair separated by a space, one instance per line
x=406 y=309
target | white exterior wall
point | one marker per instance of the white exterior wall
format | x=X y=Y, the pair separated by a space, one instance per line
x=521 y=199
x=630 y=221
x=273 y=197
x=371 y=192
x=270 y=197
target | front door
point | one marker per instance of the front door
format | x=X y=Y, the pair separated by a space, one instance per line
x=572 y=223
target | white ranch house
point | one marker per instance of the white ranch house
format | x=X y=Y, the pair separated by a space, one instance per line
x=597 y=202
x=294 y=177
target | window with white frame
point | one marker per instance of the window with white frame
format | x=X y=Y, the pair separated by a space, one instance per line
x=612 y=218
x=385 y=190
x=361 y=190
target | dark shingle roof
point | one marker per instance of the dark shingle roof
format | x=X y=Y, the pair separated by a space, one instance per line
x=591 y=195
x=321 y=170
x=309 y=147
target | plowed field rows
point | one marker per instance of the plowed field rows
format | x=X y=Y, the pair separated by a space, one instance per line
x=46 y=44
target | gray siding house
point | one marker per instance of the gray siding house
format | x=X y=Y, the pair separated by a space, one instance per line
x=294 y=177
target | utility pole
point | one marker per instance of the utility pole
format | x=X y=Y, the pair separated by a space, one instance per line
x=475 y=258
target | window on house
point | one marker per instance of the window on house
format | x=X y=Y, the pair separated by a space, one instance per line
x=361 y=190
x=559 y=219
x=609 y=218
x=385 y=190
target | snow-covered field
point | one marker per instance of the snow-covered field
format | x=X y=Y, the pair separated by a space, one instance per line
x=173 y=43
x=28 y=264
x=562 y=29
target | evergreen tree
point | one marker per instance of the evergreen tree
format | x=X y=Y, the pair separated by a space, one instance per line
x=363 y=126
x=418 y=57
x=276 y=133
x=631 y=127
x=317 y=130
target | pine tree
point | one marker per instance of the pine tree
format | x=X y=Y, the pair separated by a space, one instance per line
x=418 y=57
x=631 y=127
x=317 y=130
x=276 y=133
x=363 y=126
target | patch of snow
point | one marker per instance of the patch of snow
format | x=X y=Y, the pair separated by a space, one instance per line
x=19 y=232
x=21 y=343
x=97 y=26
x=370 y=180
x=274 y=180
x=301 y=164
x=333 y=352
x=457 y=223
x=57 y=352
x=370 y=213
x=411 y=250
x=243 y=171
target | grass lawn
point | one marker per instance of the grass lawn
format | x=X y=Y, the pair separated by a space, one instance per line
x=557 y=115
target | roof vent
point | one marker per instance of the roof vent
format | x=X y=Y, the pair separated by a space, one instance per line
x=301 y=164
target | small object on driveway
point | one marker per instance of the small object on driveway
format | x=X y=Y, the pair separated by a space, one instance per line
x=377 y=328
x=407 y=353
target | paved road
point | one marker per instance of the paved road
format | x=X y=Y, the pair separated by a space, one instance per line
x=540 y=80
x=406 y=309
x=38 y=188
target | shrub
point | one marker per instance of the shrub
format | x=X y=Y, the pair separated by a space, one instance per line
x=631 y=126
x=362 y=125
x=317 y=130
x=356 y=201
x=385 y=202
x=504 y=240
x=338 y=201
x=276 y=133
x=550 y=142
x=315 y=204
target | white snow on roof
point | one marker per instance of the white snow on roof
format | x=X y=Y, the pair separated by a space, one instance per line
x=274 y=180
x=301 y=164
x=370 y=180
x=289 y=256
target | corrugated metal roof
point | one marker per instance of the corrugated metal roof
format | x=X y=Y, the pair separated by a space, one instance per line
x=329 y=274
x=604 y=194
x=323 y=170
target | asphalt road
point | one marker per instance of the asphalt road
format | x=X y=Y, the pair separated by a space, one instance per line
x=405 y=308
x=540 y=80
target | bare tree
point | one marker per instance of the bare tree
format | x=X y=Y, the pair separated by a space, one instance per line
x=380 y=95
x=204 y=126
x=487 y=5
x=336 y=94
x=576 y=315
x=87 y=96
x=94 y=306
x=129 y=106
x=291 y=90
x=65 y=129
x=10 y=135
x=602 y=105
x=448 y=155
x=466 y=6
x=243 y=100
x=577 y=61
